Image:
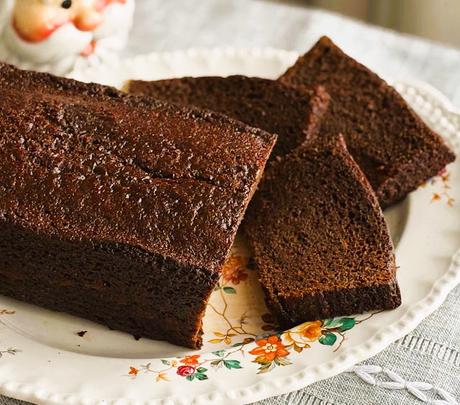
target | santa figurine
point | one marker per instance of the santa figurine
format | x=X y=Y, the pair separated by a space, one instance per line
x=59 y=36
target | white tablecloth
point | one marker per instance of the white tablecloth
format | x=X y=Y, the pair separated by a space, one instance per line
x=432 y=352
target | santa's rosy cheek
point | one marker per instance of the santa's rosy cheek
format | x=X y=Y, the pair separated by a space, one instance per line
x=88 y=20
x=31 y=28
x=37 y=33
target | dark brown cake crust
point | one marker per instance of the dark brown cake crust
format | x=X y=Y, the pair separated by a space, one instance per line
x=293 y=114
x=391 y=144
x=118 y=208
x=319 y=238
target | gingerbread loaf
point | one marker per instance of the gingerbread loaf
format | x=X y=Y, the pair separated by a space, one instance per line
x=293 y=114
x=395 y=149
x=319 y=238
x=117 y=208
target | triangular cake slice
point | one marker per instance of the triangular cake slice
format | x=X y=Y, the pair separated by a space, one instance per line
x=391 y=144
x=319 y=238
x=293 y=114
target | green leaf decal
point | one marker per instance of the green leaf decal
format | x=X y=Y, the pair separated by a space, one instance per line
x=232 y=364
x=165 y=362
x=219 y=353
x=328 y=339
x=229 y=290
x=201 y=376
x=201 y=370
x=190 y=377
x=332 y=323
x=347 y=324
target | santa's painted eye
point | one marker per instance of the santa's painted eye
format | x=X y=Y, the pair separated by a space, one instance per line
x=66 y=4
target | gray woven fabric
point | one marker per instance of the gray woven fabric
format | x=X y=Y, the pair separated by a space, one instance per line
x=431 y=353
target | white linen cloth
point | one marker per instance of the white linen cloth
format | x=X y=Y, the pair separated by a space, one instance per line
x=431 y=353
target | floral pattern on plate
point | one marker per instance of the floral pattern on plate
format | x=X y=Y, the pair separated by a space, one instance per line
x=267 y=351
x=441 y=184
x=10 y=350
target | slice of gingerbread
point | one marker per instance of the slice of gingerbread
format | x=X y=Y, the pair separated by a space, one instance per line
x=391 y=144
x=319 y=238
x=293 y=114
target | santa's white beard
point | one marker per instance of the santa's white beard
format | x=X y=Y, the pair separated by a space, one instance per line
x=115 y=27
x=57 y=53
x=61 y=51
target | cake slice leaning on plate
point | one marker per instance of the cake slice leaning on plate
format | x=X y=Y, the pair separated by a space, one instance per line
x=117 y=208
x=392 y=145
x=319 y=238
x=292 y=114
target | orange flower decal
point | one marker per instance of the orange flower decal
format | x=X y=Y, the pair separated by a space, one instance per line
x=311 y=330
x=443 y=194
x=191 y=360
x=133 y=371
x=161 y=376
x=269 y=349
x=234 y=270
x=301 y=336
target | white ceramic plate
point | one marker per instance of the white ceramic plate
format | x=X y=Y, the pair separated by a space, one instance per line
x=44 y=360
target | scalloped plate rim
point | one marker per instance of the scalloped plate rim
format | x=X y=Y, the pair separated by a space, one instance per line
x=299 y=378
